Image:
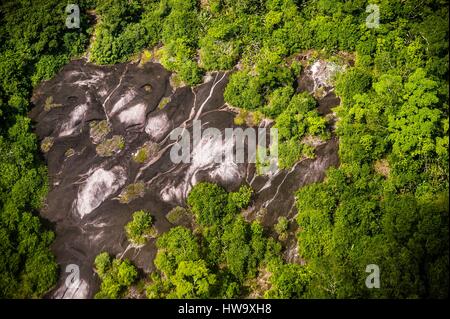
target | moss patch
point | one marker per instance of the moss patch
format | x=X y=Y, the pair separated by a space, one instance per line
x=146 y=152
x=163 y=102
x=111 y=146
x=146 y=56
x=99 y=130
x=177 y=215
x=49 y=104
x=47 y=144
x=131 y=192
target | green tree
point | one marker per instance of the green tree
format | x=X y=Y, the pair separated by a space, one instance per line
x=207 y=201
x=175 y=246
x=139 y=227
x=289 y=281
x=192 y=279
x=115 y=275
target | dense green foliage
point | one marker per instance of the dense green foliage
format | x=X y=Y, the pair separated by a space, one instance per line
x=386 y=204
x=116 y=275
x=288 y=281
x=33 y=46
x=221 y=258
x=281 y=227
x=208 y=202
x=298 y=119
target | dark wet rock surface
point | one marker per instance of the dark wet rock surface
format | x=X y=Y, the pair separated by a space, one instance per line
x=83 y=204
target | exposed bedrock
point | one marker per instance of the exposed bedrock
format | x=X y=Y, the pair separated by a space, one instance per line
x=98 y=118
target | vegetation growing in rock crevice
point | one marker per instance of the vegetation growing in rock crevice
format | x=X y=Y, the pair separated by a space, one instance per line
x=49 y=104
x=281 y=228
x=110 y=146
x=47 y=144
x=164 y=101
x=146 y=152
x=132 y=192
